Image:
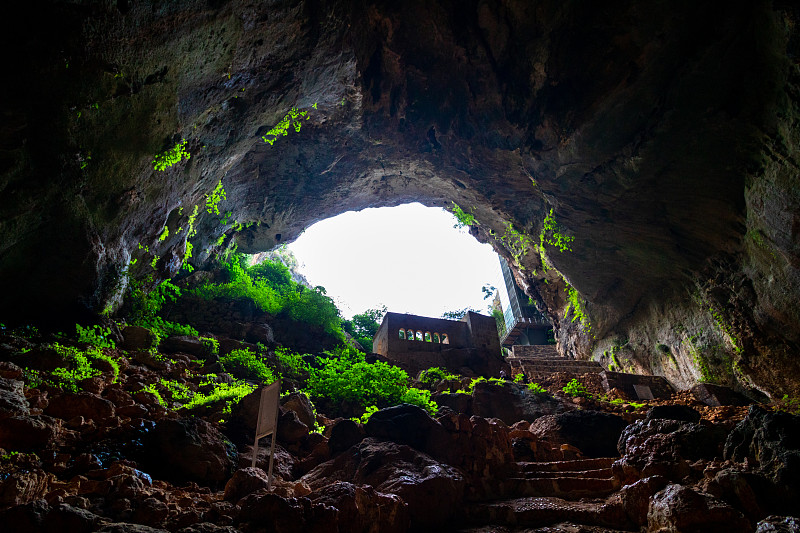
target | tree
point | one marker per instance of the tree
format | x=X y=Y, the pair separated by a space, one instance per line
x=458 y=314
x=364 y=326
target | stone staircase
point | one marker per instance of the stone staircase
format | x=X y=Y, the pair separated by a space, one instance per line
x=537 y=362
x=567 y=494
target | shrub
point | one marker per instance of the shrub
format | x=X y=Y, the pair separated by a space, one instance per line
x=230 y=393
x=518 y=378
x=95 y=335
x=246 y=365
x=421 y=398
x=535 y=388
x=575 y=388
x=291 y=365
x=341 y=380
x=435 y=374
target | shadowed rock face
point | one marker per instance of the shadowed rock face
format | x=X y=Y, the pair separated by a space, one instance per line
x=661 y=135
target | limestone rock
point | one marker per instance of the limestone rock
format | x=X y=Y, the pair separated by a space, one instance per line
x=90 y=406
x=245 y=481
x=343 y=434
x=137 y=338
x=665 y=447
x=301 y=405
x=26 y=433
x=511 y=402
x=12 y=398
x=680 y=509
x=433 y=491
x=362 y=509
x=595 y=434
x=779 y=524
x=190 y=449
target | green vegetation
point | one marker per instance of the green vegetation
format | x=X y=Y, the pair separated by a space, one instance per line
x=462 y=217
x=371 y=410
x=552 y=234
x=345 y=376
x=435 y=374
x=272 y=290
x=789 y=404
x=519 y=378
x=213 y=199
x=535 y=388
x=291 y=365
x=515 y=242
x=145 y=305
x=575 y=303
x=364 y=326
x=291 y=119
x=164 y=234
x=575 y=388
x=171 y=157
x=245 y=364
x=95 y=335
x=78 y=367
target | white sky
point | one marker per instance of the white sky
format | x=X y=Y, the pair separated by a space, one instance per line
x=409 y=258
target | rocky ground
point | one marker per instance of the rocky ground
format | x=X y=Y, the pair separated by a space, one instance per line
x=113 y=457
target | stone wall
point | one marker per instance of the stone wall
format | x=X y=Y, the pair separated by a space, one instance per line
x=545 y=351
x=659 y=387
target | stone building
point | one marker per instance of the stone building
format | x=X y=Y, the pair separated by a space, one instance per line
x=469 y=346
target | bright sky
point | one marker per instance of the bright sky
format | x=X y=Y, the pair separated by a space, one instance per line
x=409 y=258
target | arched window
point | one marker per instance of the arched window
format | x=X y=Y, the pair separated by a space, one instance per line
x=402 y=334
x=445 y=339
x=419 y=336
x=410 y=335
x=436 y=338
x=428 y=337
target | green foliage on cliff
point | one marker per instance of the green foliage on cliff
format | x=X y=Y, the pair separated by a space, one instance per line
x=552 y=234
x=516 y=242
x=463 y=218
x=575 y=303
x=173 y=156
x=575 y=388
x=270 y=287
x=292 y=119
x=363 y=326
x=214 y=198
x=435 y=374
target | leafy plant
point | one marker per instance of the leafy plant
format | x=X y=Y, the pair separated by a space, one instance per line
x=515 y=242
x=359 y=382
x=291 y=364
x=420 y=398
x=371 y=410
x=78 y=368
x=145 y=306
x=462 y=217
x=363 y=327
x=211 y=344
x=213 y=199
x=552 y=234
x=435 y=374
x=575 y=388
x=292 y=119
x=230 y=393
x=171 y=157
x=245 y=364
x=535 y=388
x=575 y=303
x=518 y=378
x=95 y=335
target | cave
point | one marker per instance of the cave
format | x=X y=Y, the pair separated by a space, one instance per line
x=659 y=139
x=635 y=163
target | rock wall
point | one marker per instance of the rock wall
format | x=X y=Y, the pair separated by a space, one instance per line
x=659 y=136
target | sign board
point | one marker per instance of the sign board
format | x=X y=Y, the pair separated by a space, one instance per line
x=643 y=392
x=267 y=422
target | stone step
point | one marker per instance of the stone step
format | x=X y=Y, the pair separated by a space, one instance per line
x=561 y=527
x=564 y=486
x=596 y=473
x=547 y=511
x=567 y=466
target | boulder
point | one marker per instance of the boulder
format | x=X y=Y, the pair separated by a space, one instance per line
x=343 y=434
x=63 y=517
x=771 y=439
x=595 y=434
x=511 y=402
x=124 y=527
x=185 y=344
x=85 y=404
x=245 y=481
x=290 y=429
x=189 y=449
x=287 y=515
x=743 y=490
x=23 y=486
x=283 y=465
x=136 y=338
x=681 y=509
x=27 y=518
x=433 y=491
x=26 y=433
x=665 y=447
x=779 y=524
x=363 y=509
x=301 y=405
x=636 y=498
x=458 y=402
x=403 y=424
x=12 y=398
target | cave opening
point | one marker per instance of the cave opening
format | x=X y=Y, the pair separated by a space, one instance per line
x=409 y=258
